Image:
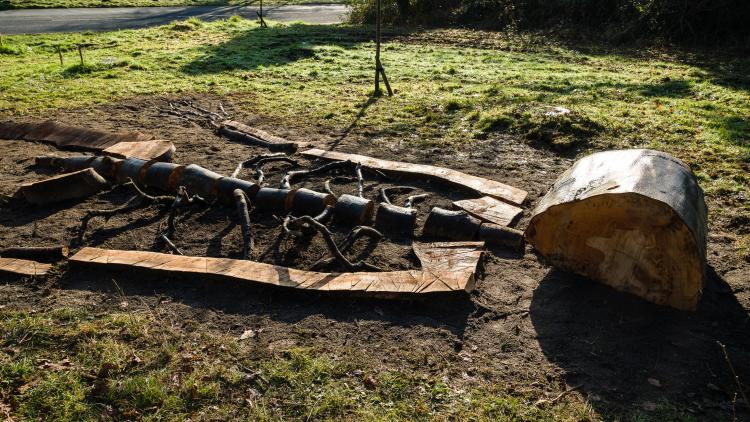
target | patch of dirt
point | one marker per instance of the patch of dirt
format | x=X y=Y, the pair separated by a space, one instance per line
x=527 y=326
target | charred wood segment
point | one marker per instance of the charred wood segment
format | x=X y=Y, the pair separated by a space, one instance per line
x=274 y=200
x=243 y=215
x=79 y=184
x=497 y=235
x=481 y=185
x=105 y=166
x=227 y=186
x=67 y=164
x=292 y=176
x=131 y=169
x=44 y=253
x=163 y=176
x=454 y=225
x=24 y=267
x=199 y=181
x=240 y=132
x=158 y=150
x=64 y=136
x=635 y=220
x=350 y=209
x=396 y=220
x=455 y=273
x=309 y=202
x=490 y=210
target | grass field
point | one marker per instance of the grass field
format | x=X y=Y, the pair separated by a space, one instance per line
x=46 y=4
x=451 y=87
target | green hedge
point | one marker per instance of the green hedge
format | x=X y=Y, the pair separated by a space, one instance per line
x=726 y=21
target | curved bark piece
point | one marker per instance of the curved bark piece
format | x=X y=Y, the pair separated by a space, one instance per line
x=454 y=225
x=79 y=184
x=350 y=209
x=481 y=185
x=635 y=220
x=64 y=136
x=447 y=268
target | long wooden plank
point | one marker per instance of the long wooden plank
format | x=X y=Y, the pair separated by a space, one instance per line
x=447 y=267
x=64 y=136
x=490 y=210
x=145 y=150
x=480 y=185
x=23 y=267
x=273 y=142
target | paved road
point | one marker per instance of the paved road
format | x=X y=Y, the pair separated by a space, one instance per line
x=36 y=21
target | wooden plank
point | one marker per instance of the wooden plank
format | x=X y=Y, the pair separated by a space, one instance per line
x=490 y=210
x=64 y=136
x=78 y=184
x=23 y=267
x=447 y=267
x=480 y=185
x=146 y=150
x=273 y=142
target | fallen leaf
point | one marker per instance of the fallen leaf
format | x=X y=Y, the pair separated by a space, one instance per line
x=655 y=382
x=247 y=334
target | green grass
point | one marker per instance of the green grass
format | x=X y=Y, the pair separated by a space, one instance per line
x=46 y=4
x=71 y=365
x=693 y=105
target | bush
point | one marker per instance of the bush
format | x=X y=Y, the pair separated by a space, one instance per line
x=620 y=20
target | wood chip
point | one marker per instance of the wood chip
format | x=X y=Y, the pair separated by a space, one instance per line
x=23 y=267
x=447 y=267
x=147 y=150
x=490 y=210
x=480 y=185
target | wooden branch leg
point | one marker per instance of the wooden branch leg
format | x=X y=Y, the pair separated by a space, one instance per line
x=385 y=80
x=248 y=242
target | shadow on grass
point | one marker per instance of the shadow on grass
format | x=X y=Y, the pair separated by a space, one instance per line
x=272 y=47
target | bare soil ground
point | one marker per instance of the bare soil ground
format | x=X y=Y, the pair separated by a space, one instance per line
x=527 y=326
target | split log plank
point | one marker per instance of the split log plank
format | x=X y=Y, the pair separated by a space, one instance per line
x=64 y=136
x=447 y=267
x=273 y=142
x=480 y=185
x=23 y=267
x=490 y=210
x=159 y=150
x=79 y=184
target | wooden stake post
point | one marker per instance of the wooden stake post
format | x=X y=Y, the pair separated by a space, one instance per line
x=260 y=16
x=379 y=66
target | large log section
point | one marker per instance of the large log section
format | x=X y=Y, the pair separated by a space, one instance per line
x=480 y=185
x=631 y=219
x=446 y=267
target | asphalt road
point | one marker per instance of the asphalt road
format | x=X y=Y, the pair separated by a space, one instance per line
x=37 y=21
